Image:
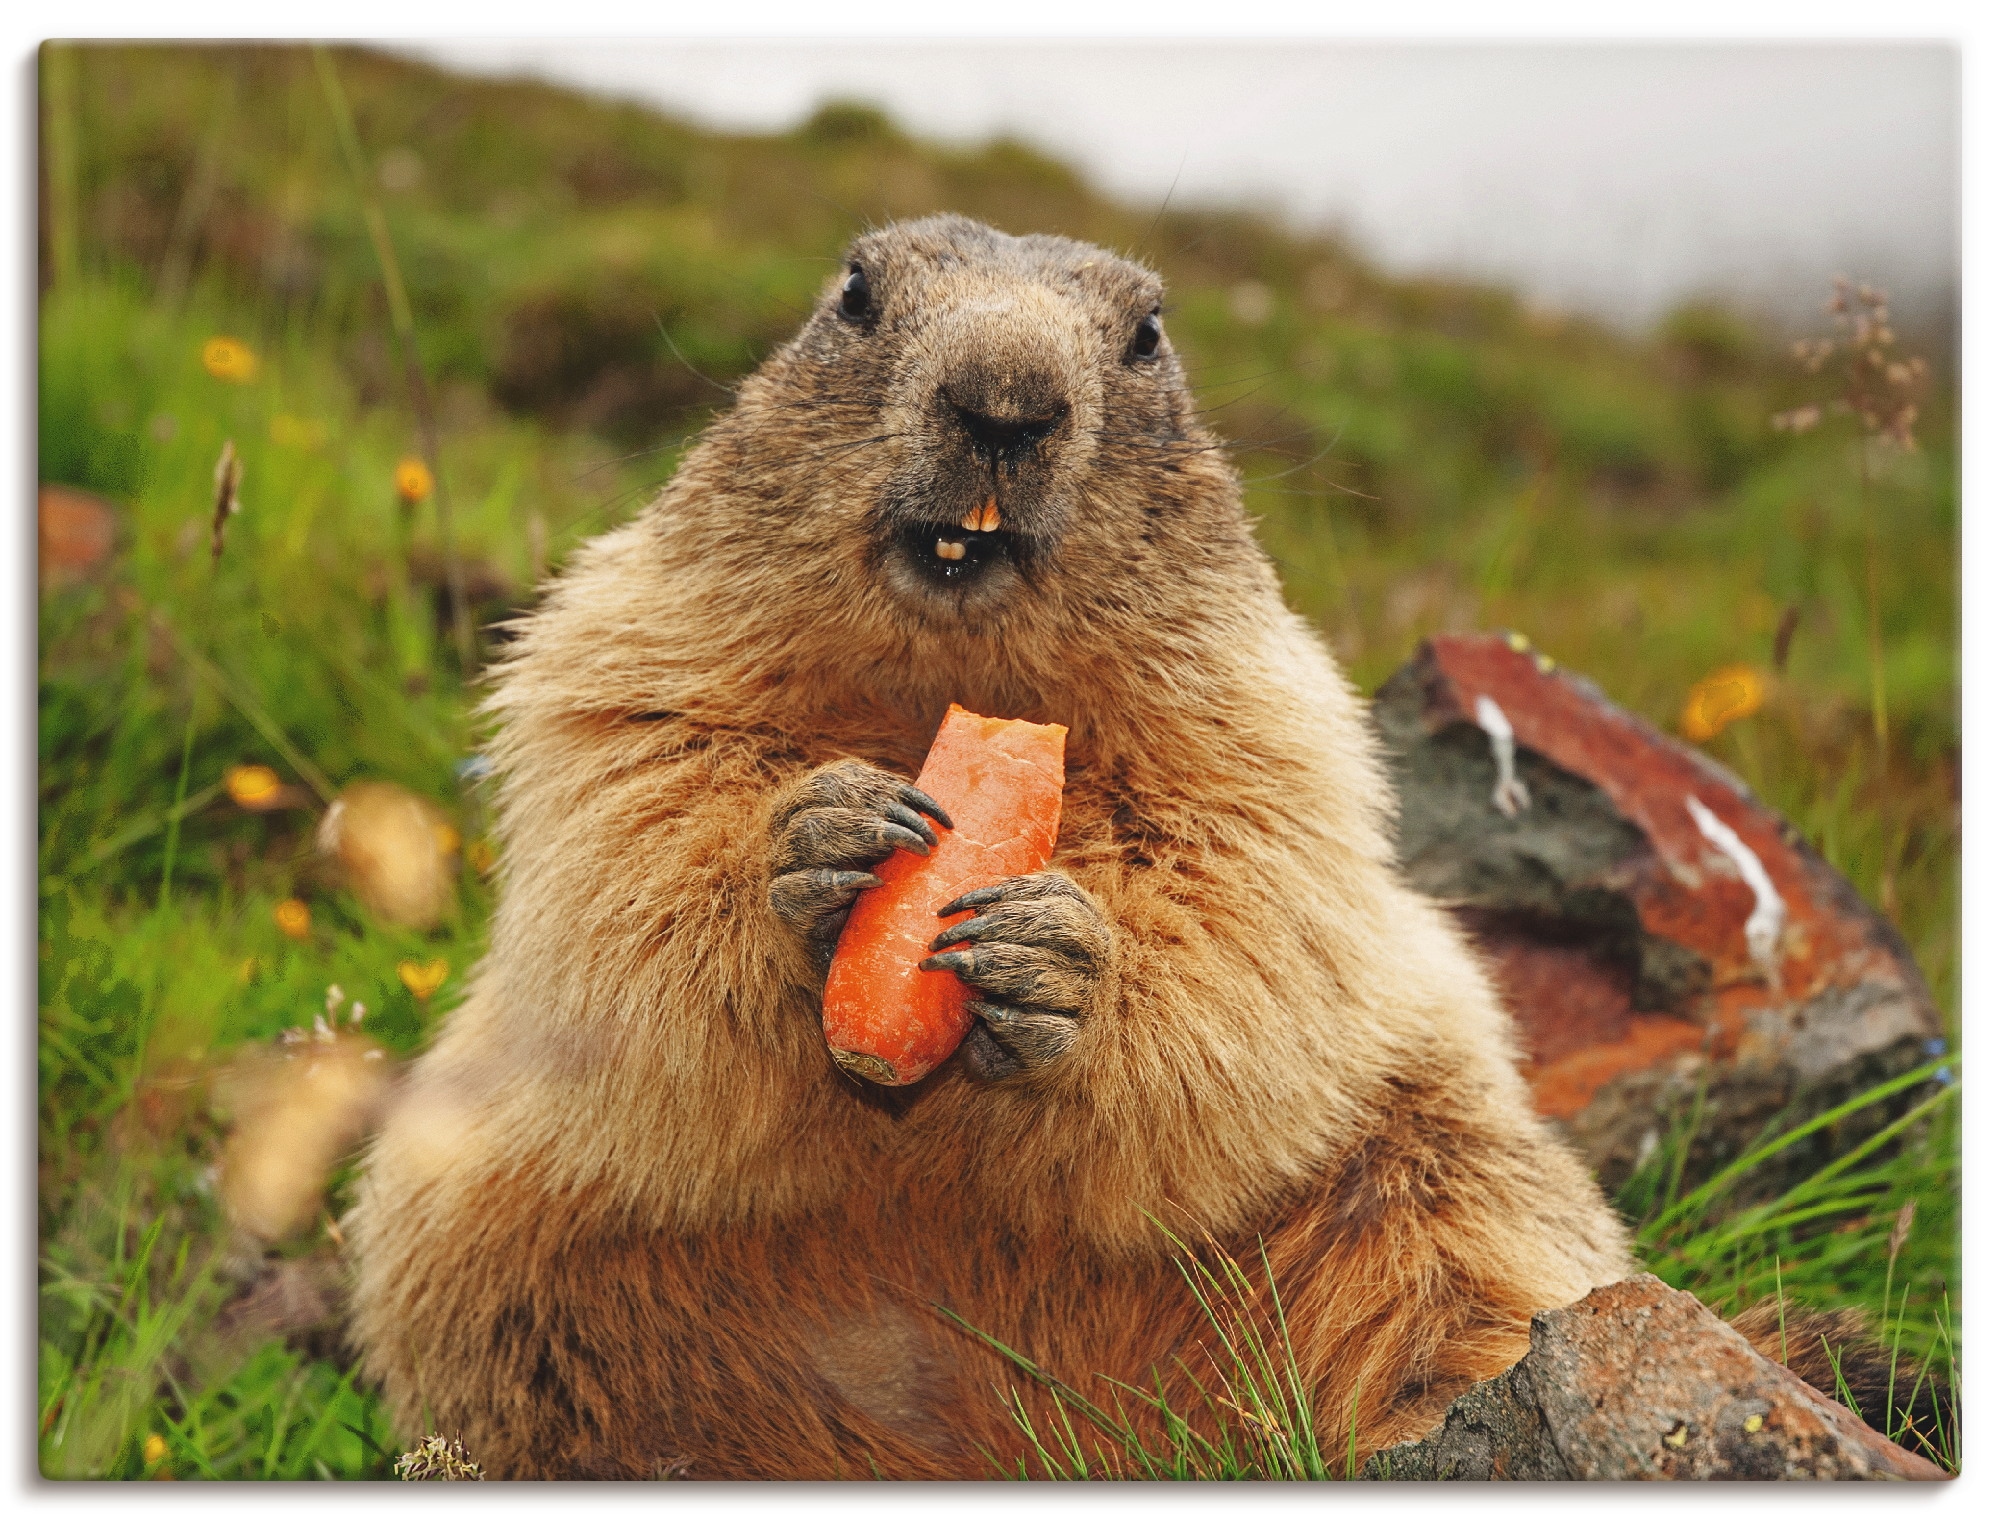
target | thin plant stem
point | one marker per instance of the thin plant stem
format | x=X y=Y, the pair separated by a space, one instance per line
x=180 y=801
x=1784 y=1350
x=403 y=323
x=1878 y=676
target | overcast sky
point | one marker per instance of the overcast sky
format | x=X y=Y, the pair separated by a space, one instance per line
x=1618 y=178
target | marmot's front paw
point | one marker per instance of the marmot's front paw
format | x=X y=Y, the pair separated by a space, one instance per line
x=827 y=830
x=1037 y=951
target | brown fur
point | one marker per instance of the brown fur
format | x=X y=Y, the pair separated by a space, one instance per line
x=627 y=1208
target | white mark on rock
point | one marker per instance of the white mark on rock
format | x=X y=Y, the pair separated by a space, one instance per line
x=1510 y=796
x=1767 y=917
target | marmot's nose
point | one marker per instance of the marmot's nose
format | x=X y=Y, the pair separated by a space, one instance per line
x=1006 y=438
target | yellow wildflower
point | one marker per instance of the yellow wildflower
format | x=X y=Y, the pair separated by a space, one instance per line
x=228 y=359
x=252 y=786
x=294 y=917
x=413 y=480
x=447 y=838
x=422 y=980
x=156 y=1449
x=1719 y=699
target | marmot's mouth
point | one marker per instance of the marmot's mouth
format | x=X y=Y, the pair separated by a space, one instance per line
x=953 y=555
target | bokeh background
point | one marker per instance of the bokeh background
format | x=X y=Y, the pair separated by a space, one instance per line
x=342 y=352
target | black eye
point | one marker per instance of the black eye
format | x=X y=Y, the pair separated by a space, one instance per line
x=854 y=295
x=1146 y=341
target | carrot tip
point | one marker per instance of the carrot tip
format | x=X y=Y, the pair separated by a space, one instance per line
x=868 y=1067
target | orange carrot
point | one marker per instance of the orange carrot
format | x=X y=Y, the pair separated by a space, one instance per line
x=1001 y=783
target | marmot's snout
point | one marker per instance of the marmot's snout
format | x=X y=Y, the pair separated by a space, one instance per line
x=999 y=440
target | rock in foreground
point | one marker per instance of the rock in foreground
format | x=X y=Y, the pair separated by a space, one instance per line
x=1640 y=1382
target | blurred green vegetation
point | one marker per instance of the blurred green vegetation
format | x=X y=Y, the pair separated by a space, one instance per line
x=587 y=278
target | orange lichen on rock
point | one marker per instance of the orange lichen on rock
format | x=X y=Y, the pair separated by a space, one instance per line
x=1001 y=782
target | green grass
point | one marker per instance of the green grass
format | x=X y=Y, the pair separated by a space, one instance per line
x=1419 y=456
x=1247 y=1415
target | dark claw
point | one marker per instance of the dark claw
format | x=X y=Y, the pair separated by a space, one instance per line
x=845 y=880
x=985 y=896
x=897 y=813
x=968 y=932
x=961 y=963
x=902 y=838
x=994 y=1012
x=923 y=803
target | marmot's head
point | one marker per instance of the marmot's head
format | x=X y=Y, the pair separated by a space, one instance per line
x=969 y=418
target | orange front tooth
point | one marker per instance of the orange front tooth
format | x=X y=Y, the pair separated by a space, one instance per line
x=971 y=520
x=989 y=517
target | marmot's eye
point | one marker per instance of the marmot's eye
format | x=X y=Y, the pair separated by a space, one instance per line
x=1146 y=341
x=854 y=295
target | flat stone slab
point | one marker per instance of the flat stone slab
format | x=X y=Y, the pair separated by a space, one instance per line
x=1655 y=930
x=1640 y=1382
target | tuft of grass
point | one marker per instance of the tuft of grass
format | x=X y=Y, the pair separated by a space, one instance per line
x=1835 y=1238
x=1245 y=1414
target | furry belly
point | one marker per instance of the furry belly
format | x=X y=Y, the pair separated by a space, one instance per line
x=881 y=1363
x=823 y=1355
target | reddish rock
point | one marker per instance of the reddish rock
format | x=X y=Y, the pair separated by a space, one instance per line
x=1654 y=929
x=1640 y=1382
x=75 y=531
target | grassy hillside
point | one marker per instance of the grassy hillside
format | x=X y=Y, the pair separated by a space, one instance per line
x=585 y=280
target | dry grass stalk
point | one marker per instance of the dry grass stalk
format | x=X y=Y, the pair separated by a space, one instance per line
x=1882 y=392
x=437 y=1459
x=228 y=477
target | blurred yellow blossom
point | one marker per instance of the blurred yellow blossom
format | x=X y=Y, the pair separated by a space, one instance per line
x=1719 y=699
x=294 y=917
x=447 y=838
x=252 y=786
x=288 y=431
x=228 y=359
x=479 y=855
x=413 y=480
x=385 y=840
x=156 y=1449
x=422 y=980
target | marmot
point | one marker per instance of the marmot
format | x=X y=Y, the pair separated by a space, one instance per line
x=629 y=1210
